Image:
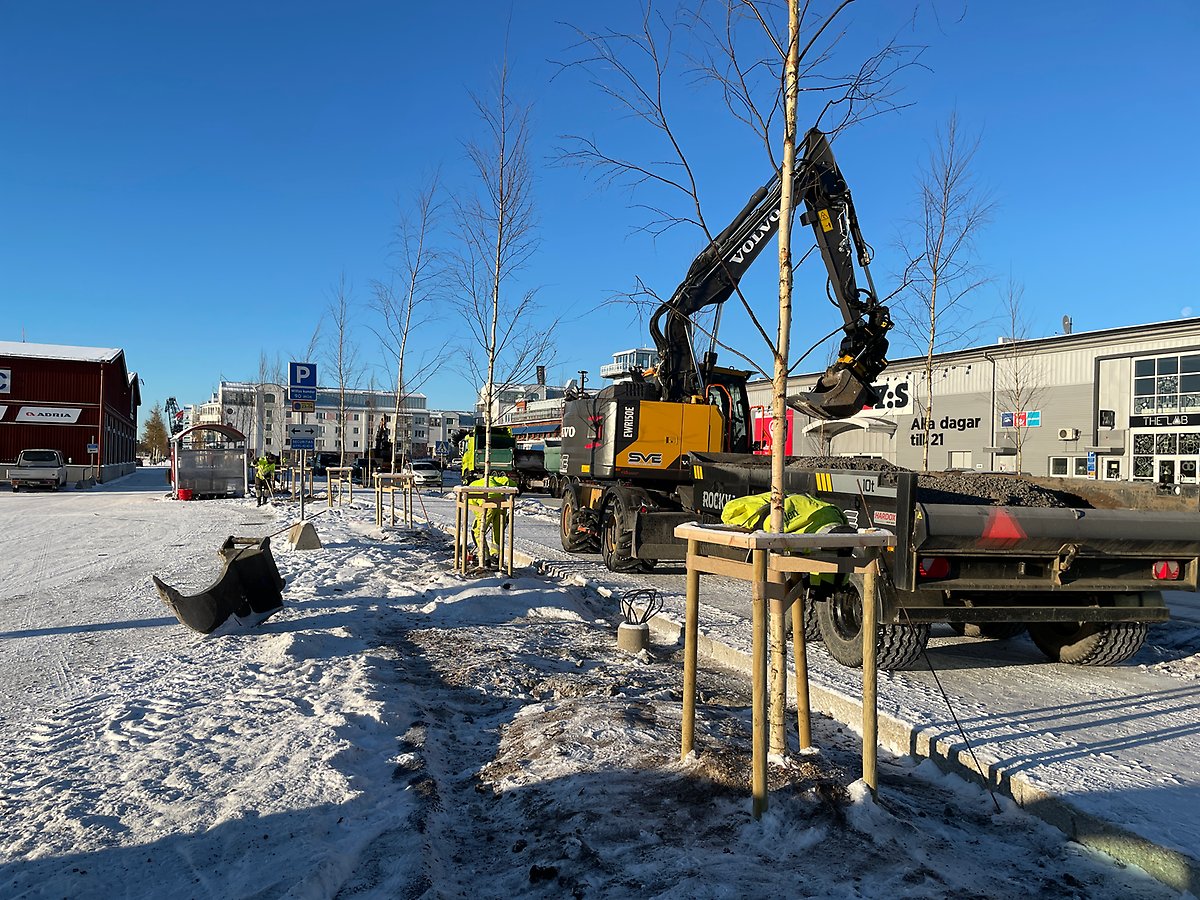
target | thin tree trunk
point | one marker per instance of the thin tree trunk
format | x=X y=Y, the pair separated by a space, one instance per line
x=778 y=670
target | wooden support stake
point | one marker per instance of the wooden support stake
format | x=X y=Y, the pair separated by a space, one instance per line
x=690 y=641
x=778 y=677
x=870 y=680
x=800 y=649
x=758 y=694
x=511 y=513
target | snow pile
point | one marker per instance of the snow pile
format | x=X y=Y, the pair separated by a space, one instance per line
x=397 y=731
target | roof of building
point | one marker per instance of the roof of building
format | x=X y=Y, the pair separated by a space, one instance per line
x=1148 y=330
x=59 y=351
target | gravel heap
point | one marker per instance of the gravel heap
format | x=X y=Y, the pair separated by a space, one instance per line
x=957 y=487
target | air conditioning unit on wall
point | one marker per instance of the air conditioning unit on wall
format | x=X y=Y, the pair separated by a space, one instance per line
x=1068 y=434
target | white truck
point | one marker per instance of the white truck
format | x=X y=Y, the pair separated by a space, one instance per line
x=38 y=468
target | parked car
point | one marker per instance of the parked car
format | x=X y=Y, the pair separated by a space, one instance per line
x=324 y=461
x=425 y=473
x=38 y=468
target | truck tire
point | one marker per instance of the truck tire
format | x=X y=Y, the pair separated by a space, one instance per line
x=1089 y=643
x=812 y=627
x=996 y=631
x=573 y=540
x=840 y=619
x=616 y=537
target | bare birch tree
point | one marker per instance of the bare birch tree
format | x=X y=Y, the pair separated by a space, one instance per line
x=761 y=58
x=407 y=302
x=277 y=428
x=342 y=354
x=943 y=274
x=1022 y=377
x=507 y=338
x=744 y=50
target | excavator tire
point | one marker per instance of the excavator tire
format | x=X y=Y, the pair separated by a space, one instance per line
x=840 y=618
x=616 y=537
x=1089 y=643
x=573 y=540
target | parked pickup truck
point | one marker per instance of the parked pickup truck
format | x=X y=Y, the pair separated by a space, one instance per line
x=38 y=468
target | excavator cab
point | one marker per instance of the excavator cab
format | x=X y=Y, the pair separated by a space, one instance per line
x=727 y=392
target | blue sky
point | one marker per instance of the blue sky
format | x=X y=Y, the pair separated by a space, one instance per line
x=189 y=181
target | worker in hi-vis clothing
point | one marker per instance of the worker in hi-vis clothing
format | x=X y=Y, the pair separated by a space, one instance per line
x=490 y=518
x=264 y=474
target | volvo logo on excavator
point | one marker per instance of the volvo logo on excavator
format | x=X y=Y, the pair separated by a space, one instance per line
x=761 y=230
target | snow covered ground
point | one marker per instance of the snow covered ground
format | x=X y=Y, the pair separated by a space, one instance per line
x=397 y=731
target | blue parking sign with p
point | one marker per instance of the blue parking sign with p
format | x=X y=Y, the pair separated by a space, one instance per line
x=302 y=374
x=302 y=381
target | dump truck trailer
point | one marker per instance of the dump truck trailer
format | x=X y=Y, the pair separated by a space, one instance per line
x=1085 y=582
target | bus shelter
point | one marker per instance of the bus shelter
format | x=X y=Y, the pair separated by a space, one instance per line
x=209 y=461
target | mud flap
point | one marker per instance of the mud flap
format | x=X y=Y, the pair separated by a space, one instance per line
x=249 y=589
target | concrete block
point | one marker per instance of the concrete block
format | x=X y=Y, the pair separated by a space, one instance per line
x=303 y=537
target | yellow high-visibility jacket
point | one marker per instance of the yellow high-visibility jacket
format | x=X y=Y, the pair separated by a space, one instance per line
x=802 y=513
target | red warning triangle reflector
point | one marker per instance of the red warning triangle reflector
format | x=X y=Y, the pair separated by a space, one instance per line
x=1001 y=526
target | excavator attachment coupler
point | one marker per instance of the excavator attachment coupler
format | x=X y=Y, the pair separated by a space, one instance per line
x=838 y=394
x=248 y=589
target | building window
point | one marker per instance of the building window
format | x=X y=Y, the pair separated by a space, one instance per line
x=1166 y=384
x=1081 y=466
x=356 y=443
x=356 y=430
x=1058 y=465
x=268 y=442
x=270 y=398
x=356 y=418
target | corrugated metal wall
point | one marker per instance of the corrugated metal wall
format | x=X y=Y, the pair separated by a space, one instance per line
x=55 y=383
x=1068 y=379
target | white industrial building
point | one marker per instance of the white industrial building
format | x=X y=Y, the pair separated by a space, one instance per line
x=1118 y=404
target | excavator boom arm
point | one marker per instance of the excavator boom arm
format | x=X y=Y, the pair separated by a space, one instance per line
x=714 y=275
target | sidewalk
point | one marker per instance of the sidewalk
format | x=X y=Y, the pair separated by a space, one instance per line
x=1108 y=756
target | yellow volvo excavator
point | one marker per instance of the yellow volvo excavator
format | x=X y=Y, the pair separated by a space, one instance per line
x=625 y=450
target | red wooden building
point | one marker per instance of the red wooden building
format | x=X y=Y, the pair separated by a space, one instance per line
x=67 y=399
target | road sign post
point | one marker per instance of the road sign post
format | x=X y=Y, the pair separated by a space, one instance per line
x=302 y=391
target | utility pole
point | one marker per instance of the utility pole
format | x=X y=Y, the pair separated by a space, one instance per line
x=582 y=379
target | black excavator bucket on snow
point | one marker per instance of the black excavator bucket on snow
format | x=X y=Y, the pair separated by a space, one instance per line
x=249 y=588
x=838 y=394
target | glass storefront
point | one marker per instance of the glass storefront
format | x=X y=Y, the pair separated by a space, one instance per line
x=1166 y=396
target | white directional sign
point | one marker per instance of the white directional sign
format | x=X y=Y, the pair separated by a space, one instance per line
x=302 y=437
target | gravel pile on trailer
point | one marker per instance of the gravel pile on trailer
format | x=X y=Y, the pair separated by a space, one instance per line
x=959 y=488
